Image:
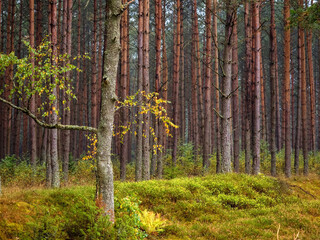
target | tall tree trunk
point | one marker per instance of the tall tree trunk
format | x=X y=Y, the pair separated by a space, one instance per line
x=312 y=90
x=123 y=92
x=182 y=82
x=216 y=83
x=94 y=106
x=8 y=77
x=164 y=90
x=263 y=102
x=207 y=104
x=158 y=14
x=67 y=116
x=146 y=88
x=235 y=98
x=33 y=128
x=104 y=164
x=304 y=100
x=287 y=88
x=278 y=126
x=54 y=120
x=298 y=111
x=139 y=150
x=176 y=74
x=257 y=91
x=248 y=77
x=226 y=121
x=273 y=90
x=195 y=117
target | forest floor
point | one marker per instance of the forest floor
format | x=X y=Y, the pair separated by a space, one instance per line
x=212 y=207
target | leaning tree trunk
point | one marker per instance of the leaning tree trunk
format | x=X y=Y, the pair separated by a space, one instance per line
x=108 y=98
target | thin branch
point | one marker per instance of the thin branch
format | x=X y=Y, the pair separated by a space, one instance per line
x=46 y=125
x=218 y=113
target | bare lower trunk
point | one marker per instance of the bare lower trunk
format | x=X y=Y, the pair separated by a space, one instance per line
x=287 y=88
x=207 y=85
x=226 y=121
x=273 y=90
x=257 y=92
x=138 y=169
x=248 y=78
x=235 y=99
x=108 y=98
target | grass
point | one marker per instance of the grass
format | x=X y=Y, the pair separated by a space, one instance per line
x=212 y=207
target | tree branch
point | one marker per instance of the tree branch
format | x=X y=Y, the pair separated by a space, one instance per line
x=46 y=125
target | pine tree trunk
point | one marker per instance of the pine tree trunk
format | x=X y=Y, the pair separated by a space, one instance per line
x=273 y=90
x=226 y=121
x=67 y=116
x=123 y=93
x=286 y=86
x=216 y=83
x=164 y=90
x=248 y=77
x=312 y=91
x=298 y=111
x=195 y=117
x=207 y=85
x=33 y=128
x=176 y=74
x=94 y=106
x=257 y=91
x=235 y=98
x=182 y=82
x=139 y=150
x=158 y=14
x=304 y=101
x=146 y=88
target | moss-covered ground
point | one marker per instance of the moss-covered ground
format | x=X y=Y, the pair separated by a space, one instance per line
x=212 y=207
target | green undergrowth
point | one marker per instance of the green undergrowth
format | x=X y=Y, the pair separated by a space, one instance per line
x=212 y=207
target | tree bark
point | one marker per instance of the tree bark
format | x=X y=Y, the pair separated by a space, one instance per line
x=235 y=98
x=146 y=88
x=287 y=88
x=248 y=77
x=257 y=91
x=273 y=90
x=312 y=91
x=207 y=103
x=139 y=150
x=33 y=128
x=54 y=117
x=216 y=83
x=176 y=74
x=304 y=100
x=94 y=106
x=104 y=136
x=226 y=121
x=123 y=93
x=67 y=116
